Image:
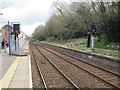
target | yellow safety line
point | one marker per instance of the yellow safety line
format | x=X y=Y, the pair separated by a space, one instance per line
x=5 y=82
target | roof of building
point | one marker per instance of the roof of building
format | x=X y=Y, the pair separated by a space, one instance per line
x=6 y=27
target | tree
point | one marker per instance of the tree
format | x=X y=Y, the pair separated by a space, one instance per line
x=74 y=20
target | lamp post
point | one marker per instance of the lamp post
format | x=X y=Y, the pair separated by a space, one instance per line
x=9 y=38
x=0 y=38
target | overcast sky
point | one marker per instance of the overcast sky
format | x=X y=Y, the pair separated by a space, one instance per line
x=30 y=13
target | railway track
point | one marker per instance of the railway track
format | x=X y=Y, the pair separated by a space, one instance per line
x=106 y=77
x=38 y=81
x=51 y=75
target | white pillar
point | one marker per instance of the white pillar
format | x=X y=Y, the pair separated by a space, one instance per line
x=92 y=41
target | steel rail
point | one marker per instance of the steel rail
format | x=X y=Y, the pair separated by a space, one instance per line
x=76 y=87
x=40 y=72
x=105 y=82
x=84 y=61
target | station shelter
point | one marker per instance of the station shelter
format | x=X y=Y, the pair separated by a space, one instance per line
x=13 y=43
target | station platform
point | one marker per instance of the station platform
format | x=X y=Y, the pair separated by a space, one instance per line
x=18 y=72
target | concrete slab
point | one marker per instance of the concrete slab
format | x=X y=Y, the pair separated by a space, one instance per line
x=5 y=62
x=5 y=81
x=21 y=78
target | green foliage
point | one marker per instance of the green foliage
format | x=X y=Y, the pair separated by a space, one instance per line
x=109 y=27
x=103 y=48
x=108 y=45
x=75 y=19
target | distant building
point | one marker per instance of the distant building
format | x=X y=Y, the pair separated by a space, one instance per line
x=22 y=35
x=4 y=32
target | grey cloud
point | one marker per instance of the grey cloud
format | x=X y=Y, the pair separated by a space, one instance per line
x=13 y=3
x=32 y=17
x=5 y=4
x=26 y=16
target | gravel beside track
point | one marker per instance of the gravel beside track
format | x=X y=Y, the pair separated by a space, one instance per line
x=108 y=63
x=36 y=79
x=80 y=78
x=105 y=75
x=52 y=76
x=83 y=75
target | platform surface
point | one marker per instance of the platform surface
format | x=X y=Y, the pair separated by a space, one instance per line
x=16 y=70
